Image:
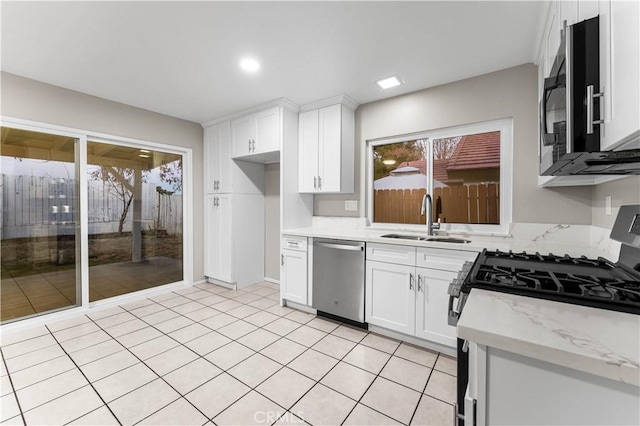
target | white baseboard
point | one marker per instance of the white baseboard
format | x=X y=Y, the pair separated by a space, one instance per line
x=271 y=280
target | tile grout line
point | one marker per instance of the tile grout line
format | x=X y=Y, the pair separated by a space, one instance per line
x=13 y=388
x=424 y=389
x=158 y=376
x=86 y=378
x=257 y=327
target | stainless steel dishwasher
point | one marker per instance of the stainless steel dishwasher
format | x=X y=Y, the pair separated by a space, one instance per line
x=338 y=279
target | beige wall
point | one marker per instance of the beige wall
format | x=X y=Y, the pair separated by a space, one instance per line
x=272 y=221
x=507 y=93
x=32 y=100
x=624 y=191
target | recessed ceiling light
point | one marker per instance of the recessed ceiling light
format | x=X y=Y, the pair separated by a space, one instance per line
x=144 y=156
x=387 y=83
x=145 y=151
x=249 y=65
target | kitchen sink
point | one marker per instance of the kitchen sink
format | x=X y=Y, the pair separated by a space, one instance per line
x=434 y=239
x=448 y=240
x=405 y=237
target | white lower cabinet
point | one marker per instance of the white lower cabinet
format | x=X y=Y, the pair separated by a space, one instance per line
x=234 y=238
x=390 y=296
x=432 y=306
x=406 y=297
x=293 y=270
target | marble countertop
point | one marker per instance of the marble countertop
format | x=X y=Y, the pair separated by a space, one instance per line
x=556 y=239
x=597 y=341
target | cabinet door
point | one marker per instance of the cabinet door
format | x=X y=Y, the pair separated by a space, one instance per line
x=619 y=70
x=218 y=243
x=224 y=157
x=308 y=151
x=294 y=276
x=242 y=134
x=390 y=296
x=211 y=159
x=433 y=305
x=267 y=131
x=329 y=148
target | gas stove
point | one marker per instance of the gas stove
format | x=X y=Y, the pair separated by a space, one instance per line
x=580 y=280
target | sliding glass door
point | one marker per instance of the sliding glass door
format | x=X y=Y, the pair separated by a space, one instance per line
x=40 y=223
x=135 y=219
x=63 y=247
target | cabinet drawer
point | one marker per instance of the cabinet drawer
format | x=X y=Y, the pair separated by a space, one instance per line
x=446 y=260
x=390 y=253
x=290 y=242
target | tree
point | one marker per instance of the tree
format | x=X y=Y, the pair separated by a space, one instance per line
x=400 y=152
x=120 y=181
x=444 y=148
x=171 y=174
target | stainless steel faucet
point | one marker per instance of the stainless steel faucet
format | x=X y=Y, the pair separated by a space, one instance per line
x=428 y=210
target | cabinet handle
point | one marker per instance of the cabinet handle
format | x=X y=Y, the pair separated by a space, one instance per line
x=315 y=182
x=249 y=145
x=319 y=183
x=282 y=259
x=253 y=143
x=410 y=281
x=590 y=120
x=419 y=279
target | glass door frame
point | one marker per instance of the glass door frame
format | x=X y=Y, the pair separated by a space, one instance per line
x=82 y=265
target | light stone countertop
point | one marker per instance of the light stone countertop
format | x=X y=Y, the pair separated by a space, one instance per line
x=597 y=341
x=576 y=240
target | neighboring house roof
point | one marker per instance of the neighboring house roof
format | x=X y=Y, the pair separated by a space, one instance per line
x=439 y=168
x=479 y=151
x=405 y=177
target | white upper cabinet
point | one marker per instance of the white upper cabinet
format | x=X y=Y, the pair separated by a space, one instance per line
x=256 y=137
x=326 y=154
x=619 y=73
x=221 y=173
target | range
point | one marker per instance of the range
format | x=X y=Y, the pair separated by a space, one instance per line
x=597 y=283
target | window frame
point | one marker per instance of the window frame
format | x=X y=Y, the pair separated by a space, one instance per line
x=504 y=126
x=83 y=136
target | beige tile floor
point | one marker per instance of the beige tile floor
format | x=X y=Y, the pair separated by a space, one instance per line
x=208 y=355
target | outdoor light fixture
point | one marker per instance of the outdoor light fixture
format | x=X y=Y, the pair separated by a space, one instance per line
x=389 y=82
x=388 y=162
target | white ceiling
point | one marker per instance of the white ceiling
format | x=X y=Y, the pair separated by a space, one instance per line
x=181 y=58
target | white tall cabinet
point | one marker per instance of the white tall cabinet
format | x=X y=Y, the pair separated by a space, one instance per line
x=234 y=212
x=236 y=149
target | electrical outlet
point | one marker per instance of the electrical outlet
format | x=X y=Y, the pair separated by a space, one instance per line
x=607 y=205
x=351 y=205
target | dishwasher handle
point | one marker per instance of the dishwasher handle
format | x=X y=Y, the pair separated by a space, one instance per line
x=359 y=247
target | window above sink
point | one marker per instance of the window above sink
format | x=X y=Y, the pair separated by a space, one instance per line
x=467 y=170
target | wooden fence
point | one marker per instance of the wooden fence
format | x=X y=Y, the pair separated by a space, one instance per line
x=30 y=204
x=479 y=203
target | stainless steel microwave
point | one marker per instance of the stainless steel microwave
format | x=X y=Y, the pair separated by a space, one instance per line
x=570 y=111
